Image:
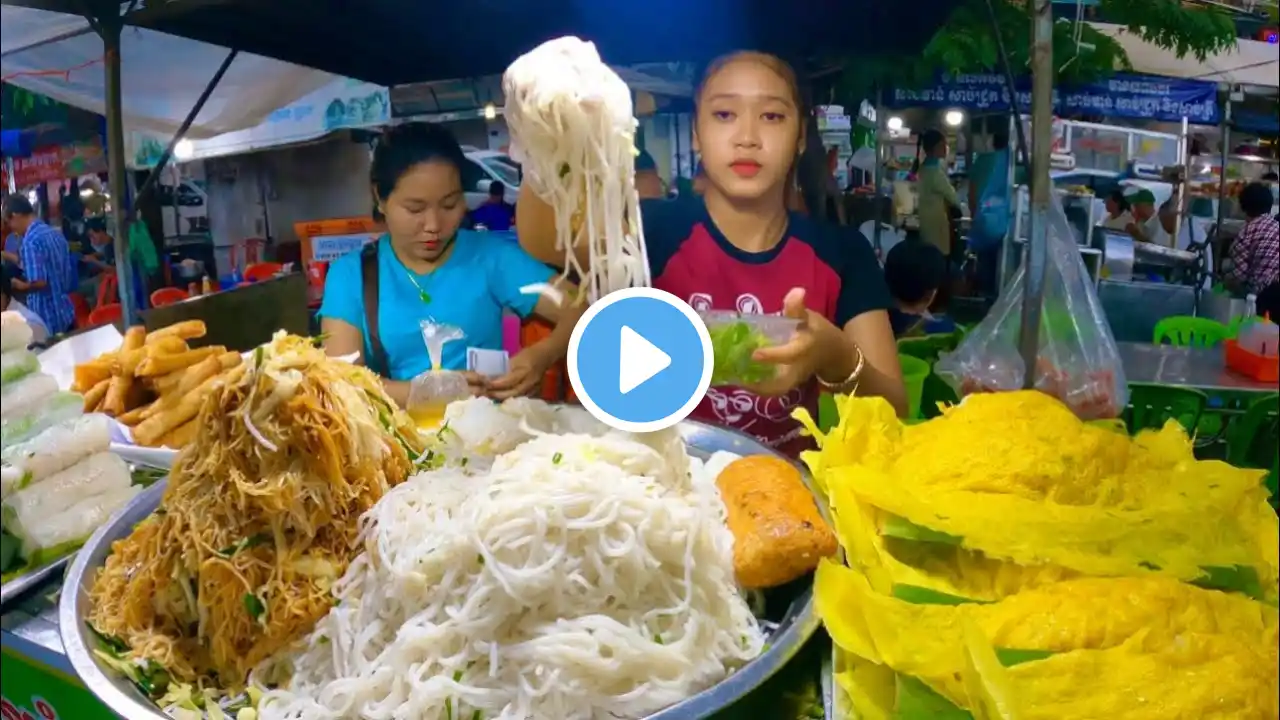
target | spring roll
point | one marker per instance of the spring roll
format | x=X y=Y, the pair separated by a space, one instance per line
x=16 y=365
x=15 y=333
x=58 y=448
x=99 y=474
x=96 y=395
x=58 y=408
x=149 y=431
x=89 y=374
x=131 y=353
x=186 y=330
x=156 y=365
x=25 y=395
x=180 y=436
x=45 y=539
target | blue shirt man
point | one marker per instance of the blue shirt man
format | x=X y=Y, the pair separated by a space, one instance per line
x=46 y=263
x=495 y=214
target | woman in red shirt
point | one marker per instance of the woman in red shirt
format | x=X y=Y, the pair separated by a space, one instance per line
x=737 y=247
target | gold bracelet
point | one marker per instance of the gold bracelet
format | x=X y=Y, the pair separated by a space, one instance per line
x=851 y=380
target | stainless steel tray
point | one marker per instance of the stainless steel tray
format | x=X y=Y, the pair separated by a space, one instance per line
x=794 y=627
x=18 y=586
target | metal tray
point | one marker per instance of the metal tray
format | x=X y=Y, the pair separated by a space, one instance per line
x=794 y=626
x=20 y=585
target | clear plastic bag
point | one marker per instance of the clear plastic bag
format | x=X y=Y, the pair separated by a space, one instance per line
x=432 y=391
x=1078 y=362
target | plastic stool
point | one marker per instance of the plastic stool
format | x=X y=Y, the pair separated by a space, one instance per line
x=1186 y=331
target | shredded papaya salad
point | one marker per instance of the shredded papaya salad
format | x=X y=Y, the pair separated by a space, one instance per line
x=259 y=519
x=1007 y=560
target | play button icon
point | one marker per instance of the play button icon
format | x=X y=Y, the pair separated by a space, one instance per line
x=640 y=360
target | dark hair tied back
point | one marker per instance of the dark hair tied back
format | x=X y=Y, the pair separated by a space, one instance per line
x=401 y=148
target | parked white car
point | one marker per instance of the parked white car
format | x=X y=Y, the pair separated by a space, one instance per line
x=483 y=167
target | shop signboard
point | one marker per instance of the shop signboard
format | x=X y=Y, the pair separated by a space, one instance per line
x=52 y=164
x=1129 y=96
x=343 y=104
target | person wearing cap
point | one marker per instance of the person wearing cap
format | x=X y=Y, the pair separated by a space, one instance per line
x=1148 y=225
x=648 y=183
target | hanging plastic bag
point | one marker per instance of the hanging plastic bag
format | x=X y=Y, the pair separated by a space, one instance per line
x=1078 y=362
x=432 y=391
x=142 y=249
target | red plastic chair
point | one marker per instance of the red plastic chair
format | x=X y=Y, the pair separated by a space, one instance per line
x=261 y=271
x=108 y=289
x=105 y=315
x=81 y=307
x=168 y=296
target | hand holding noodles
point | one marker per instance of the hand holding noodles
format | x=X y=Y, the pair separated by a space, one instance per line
x=572 y=128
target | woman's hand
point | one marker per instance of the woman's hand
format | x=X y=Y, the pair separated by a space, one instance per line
x=815 y=345
x=524 y=375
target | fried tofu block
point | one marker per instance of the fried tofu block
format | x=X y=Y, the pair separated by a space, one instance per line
x=778 y=533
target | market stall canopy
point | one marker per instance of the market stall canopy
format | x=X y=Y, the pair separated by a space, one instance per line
x=1251 y=63
x=58 y=55
x=391 y=42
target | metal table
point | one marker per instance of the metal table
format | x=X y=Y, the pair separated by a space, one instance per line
x=1199 y=368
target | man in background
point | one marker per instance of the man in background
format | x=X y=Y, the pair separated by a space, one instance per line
x=46 y=263
x=1148 y=225
x=496 y=213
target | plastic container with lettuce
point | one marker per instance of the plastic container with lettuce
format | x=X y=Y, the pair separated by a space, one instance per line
x=1008 y=560
x=734 y=339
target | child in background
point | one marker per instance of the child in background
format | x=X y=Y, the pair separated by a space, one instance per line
x=914 y=271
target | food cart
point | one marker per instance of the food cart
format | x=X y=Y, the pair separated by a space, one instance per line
x=415 y=45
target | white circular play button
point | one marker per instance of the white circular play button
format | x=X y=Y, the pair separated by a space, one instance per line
x=640 y=360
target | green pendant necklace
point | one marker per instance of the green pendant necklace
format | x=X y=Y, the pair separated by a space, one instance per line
x=423 y=295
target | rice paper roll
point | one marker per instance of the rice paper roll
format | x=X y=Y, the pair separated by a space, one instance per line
x=17 y=364
x=57 y=408
x=15 y=333
x=100 y=474
x=58 y=448
x=25 y=396
x=45 y=539
x=9 y=478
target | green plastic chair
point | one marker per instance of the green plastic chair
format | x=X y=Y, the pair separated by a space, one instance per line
x=914 y=373
x=1185 y=331
x=1254 y=440
x=1151 y=406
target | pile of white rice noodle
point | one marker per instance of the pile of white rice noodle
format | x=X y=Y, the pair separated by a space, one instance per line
x=566 y=571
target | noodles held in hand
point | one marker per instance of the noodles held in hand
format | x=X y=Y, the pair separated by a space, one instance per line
x=571 y=124
x=259 y=519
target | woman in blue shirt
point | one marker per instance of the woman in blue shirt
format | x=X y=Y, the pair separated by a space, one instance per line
x=426 y=266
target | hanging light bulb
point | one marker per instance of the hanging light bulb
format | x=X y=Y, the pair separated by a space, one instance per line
x=954 y=118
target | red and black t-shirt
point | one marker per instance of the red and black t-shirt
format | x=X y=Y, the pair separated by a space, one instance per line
x=691 y=259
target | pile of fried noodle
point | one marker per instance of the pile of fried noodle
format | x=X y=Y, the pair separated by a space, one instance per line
x=260 y=517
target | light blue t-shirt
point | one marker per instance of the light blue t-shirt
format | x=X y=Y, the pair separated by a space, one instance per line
x=470 y=290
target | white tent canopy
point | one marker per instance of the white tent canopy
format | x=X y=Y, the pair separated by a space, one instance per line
x=162 y=76
x=1251 y=62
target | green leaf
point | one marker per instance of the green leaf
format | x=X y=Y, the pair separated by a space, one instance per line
x=254 y=606
x=917 y=595
x=903 y=529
